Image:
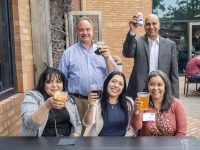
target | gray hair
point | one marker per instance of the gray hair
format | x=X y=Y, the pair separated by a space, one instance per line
x=168 y=92
x=82 y=19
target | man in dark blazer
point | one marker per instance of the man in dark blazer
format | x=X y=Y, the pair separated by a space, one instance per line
x=150 y=52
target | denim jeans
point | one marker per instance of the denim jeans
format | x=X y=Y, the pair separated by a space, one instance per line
x=195 y=78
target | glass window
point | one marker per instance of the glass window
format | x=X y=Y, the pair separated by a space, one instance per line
x=177 y=9
x=7 y=78
x=175 y=18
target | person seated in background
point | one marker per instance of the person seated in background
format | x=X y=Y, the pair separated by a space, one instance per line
x=42 y=115
x=110 y=115
x=165 y=115
x=193 y=69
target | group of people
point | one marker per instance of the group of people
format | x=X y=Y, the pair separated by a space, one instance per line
x=117 y=112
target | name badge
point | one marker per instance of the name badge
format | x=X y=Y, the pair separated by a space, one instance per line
x=149 y=116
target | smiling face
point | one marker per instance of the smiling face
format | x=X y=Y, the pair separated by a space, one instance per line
x=84 y=31
x=156 y=88
x=115 y=86
x=53 y=85
x=152 y=26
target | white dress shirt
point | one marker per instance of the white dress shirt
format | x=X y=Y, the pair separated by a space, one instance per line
x=154 y=52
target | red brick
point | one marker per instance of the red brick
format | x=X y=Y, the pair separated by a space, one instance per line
x=14 y=118
x=3 y=118
x=14 y=129
x=4 y=132
x=3 y=126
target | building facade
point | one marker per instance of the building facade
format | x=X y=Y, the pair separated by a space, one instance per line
x=180 y=22
x=16 y=42
x=26 y=46
x=23 y=47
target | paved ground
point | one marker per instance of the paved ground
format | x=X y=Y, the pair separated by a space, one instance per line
x=192 y=108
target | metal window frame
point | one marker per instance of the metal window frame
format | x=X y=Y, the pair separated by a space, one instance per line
x=190 y=24
x=9 y=19
x=83 y=13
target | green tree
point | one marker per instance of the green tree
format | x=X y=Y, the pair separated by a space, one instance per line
x=186 y=10
x=157 y=5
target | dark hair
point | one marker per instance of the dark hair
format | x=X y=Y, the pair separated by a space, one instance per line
x=121 y=98
x=167 y=98
x=46 y=76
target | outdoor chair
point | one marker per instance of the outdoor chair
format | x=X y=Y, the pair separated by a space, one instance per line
x=189 y=80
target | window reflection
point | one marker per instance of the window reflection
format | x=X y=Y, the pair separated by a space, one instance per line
x=177 y=9
x=175 y=16
x=7 y=80
x=195 y=38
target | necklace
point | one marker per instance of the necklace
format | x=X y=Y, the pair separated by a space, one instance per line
x=113 y=106
x=55 y=123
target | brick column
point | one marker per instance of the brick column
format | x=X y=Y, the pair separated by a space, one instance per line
x=10 y=118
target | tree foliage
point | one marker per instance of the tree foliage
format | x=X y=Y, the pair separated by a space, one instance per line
x=157 y=4
x=186 y=10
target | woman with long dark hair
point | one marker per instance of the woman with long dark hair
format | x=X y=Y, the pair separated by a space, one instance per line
x=165 y=115
x=43 y=114
x=109 y=116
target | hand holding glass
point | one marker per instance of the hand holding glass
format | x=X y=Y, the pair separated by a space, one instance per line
x=96 y=88
x=144 y=98
x=100 y=44
x=61 y=96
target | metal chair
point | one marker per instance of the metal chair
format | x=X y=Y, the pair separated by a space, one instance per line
x=189 y=80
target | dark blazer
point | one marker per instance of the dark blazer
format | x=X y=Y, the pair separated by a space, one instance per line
x=138 y=48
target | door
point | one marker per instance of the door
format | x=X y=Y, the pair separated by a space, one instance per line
x=194 y=38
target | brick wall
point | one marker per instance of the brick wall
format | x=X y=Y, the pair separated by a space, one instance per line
x=115 y=17
x=10 y=119
x=75 y=5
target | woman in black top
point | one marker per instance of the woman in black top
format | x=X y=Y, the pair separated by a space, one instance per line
x=45 y=115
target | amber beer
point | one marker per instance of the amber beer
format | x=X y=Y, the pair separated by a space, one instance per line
x=61 y=96
x=144 y=97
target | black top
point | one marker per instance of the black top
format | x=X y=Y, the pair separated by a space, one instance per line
x=58 y=123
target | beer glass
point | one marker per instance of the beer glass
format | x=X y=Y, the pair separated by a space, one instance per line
x=187 y=144
x=144 y=98
x=100 y=44
x=97 y=88
x=61 y=96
